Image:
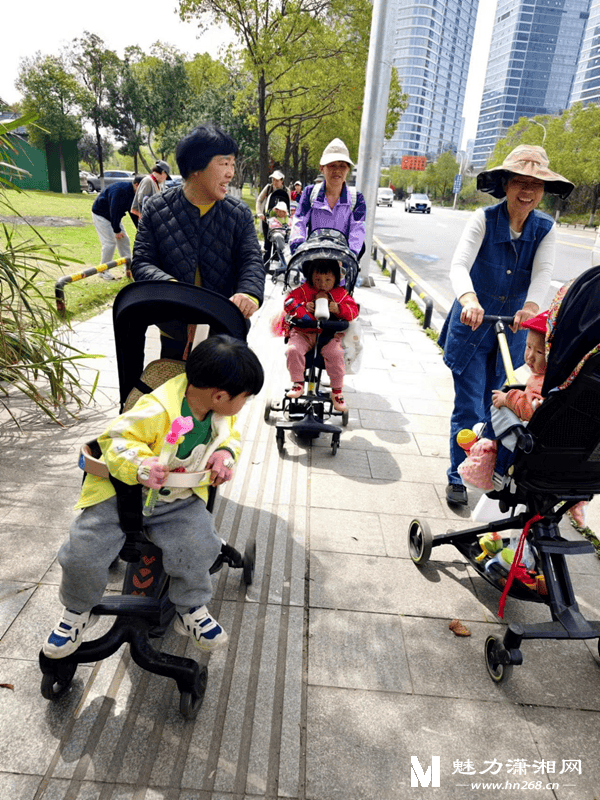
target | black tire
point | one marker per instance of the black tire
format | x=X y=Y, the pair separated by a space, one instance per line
x=267 y=413
x=90 y=187
x=420 y=541
x=56 y=684
x=345 y=418
x=428 y=211
x=498 y=672
x=335 y=443
x=249 y=562
x=191 y=702
x=280 y=438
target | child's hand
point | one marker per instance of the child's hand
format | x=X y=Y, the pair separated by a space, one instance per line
x=152 y=474
x=498 y=398
x=310 y=307
x=219 y=473
x=334 y=308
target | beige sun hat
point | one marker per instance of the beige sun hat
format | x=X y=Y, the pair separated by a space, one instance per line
x=336 y=150
x=526 y=159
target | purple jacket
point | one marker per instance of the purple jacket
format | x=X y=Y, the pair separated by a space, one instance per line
x=342 y=217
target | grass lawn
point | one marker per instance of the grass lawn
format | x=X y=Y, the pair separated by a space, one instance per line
x=77 y=245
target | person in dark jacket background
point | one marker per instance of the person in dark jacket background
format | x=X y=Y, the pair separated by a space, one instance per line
x=108 y=211
x=196 y=233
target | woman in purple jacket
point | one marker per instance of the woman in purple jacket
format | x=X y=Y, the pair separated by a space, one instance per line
x=331 y=204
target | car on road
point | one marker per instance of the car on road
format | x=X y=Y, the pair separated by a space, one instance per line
x=385 y=196
x=417 y=202
x=84 y=178
x=173 y=180
x=110 y=176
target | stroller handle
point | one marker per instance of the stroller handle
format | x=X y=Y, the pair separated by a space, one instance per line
x=492 y=319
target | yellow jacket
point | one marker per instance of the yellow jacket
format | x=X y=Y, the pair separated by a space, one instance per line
x=139 y=434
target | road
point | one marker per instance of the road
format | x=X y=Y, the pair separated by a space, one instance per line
x=426 y=242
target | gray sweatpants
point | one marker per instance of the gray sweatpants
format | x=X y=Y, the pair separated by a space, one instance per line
x=184 y=531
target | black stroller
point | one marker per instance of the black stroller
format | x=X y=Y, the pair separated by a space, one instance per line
x=306 y=416
x=556 y=465
x=143 y=611
x=278 y=265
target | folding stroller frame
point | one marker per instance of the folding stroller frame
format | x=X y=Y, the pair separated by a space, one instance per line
x=278 y=264
x=557 y=465
x=143 y=611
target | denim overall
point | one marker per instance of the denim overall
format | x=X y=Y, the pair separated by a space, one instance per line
x=501 y=275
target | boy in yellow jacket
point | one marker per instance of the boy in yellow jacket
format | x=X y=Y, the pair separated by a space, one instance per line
x=221 y=374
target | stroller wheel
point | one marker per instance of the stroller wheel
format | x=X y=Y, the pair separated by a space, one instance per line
x=280 y=437
x=249 y=562
x=345 y=418
x=497 y=659
x=267 y=413
x=55 y=684
x=190 y=702
x=420 y=541
x=335 y=443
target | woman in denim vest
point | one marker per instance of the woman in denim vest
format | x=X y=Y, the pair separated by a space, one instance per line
x=502 y=265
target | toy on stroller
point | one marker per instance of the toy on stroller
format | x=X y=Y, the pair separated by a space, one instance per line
x=556 y=465
x=306 y=416
x=143 y=611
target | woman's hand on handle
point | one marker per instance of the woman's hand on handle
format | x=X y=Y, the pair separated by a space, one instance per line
x=528 y=311
x=472 y=312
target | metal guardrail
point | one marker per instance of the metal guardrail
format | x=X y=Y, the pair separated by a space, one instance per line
x=411 y=285
x=59 y=291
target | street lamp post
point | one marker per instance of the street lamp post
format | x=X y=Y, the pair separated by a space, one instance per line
x=543 y=127
x=463 y=157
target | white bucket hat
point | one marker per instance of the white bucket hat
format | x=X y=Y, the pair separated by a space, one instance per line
x=280 y=206
x=336 y=150
x=278 y=175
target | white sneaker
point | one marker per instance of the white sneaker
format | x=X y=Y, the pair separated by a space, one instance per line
x=68 y=634
x=202 y=629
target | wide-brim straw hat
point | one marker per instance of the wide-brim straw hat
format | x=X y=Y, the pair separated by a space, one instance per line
x=336 y=150
x=526 y=159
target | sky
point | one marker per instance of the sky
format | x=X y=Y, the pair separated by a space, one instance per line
x=48 y=26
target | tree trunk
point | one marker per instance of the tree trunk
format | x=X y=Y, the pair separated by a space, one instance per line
x=594 y=204
x=63 y=171
x=263 y=138
x=100 y=154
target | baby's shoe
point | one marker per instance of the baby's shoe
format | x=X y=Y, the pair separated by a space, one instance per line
x=295 y=391
x=68 y=634
x=337 y=398
x=203 y=630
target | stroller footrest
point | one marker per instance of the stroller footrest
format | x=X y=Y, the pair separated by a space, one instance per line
x=563 y=546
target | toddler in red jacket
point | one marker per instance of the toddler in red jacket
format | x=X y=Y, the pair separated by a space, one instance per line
x=323 y=278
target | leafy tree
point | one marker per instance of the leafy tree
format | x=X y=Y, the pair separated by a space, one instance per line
x=304 y=57
x=53 y=94
x=129 y=99
x=95 y=66
x=87 y=147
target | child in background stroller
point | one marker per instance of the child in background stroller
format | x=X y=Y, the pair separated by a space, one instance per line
x=556 y=466
x=324 y=254
x=278 y=231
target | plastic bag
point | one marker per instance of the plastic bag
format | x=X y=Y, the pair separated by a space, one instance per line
x=280 y=325
x=353 y=347
x=478 y=467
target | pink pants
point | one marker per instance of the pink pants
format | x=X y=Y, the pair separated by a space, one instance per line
x=333 y=355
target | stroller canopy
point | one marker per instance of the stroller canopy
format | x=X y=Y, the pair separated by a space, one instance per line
x=145 y=303
x=574 y=321
x=327 y=243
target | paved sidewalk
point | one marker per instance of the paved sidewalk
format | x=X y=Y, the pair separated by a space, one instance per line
x=341 y=665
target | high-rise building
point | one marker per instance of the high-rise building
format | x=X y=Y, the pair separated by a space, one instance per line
x=586 y=86
x=432 y=50
x=533 y=57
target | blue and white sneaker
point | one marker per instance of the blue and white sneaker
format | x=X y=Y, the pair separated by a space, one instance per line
x=68 y=634
x=203 y=630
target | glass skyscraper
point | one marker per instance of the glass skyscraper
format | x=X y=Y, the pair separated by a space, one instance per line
x=533 y=57
x=586 y=86
x=432 y=50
